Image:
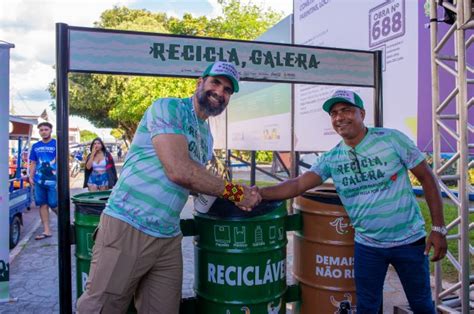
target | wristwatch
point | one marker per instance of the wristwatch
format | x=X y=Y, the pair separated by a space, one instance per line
x=440 y=229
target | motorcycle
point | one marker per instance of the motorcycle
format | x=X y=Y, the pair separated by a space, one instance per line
x=74 y=167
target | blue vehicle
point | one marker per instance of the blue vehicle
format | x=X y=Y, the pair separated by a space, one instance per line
x=19 y=187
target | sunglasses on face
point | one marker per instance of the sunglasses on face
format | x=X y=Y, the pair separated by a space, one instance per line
x=353 y=158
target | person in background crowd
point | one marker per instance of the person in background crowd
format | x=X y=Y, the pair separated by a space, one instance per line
x=99 y=173
x=78 y=154
x=43 y=176
x=119 y=153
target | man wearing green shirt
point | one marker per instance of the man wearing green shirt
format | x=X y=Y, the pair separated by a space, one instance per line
x=137 y=251
x=369 y=168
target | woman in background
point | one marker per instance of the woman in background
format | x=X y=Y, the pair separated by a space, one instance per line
x=99 y=173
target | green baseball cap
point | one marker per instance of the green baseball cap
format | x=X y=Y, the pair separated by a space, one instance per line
x=224 y=69
x=344 y=96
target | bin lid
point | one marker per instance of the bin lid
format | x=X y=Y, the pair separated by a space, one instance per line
x=223 y=208
x=93 y=198
x=326 y=195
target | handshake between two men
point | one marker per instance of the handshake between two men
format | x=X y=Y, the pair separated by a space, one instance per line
x=287 y=189
x=250 y=198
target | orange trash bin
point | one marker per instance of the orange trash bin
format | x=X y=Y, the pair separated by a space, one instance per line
x=324 y=254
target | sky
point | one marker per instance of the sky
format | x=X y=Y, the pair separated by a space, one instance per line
x=30 y=26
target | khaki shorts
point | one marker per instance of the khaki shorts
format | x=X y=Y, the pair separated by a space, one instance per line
x=127 y=263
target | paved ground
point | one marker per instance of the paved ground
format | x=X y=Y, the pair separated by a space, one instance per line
x=34 y=271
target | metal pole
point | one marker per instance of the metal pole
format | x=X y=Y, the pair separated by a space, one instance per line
x=293 y=157
x=253 y=165
x=294 y=163
x=435 y=127
x=463 y=166
x=4 y=164
x=62 y=157
x=461 y=135
x=378 y=91
x=229 y=162
x=280 y=161
x=268 y=173
x=18 y=161
x=297 y=164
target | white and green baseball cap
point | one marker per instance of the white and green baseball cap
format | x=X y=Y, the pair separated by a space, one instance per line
x=224 y=69
x=344 y=96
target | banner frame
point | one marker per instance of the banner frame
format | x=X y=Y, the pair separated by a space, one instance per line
x=112 y=31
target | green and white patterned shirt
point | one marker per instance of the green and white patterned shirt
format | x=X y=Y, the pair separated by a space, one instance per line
x=379 y=198
x=144 y=197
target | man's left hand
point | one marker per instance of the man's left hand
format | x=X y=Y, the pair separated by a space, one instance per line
x=438 y=241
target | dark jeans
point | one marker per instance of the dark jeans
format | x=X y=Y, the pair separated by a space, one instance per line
x=371 y=264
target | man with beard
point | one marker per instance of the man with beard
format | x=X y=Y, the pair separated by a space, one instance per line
x=137 y=251
x=369 y=168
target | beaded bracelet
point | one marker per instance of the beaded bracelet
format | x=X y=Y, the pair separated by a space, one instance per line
x=233 y=192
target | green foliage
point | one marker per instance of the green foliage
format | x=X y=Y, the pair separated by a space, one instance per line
x=120 y=101
x=242 y=21
x=189 y=25
x=261 y=156
x=451 y=170
x=141 y=93
x=91 y=96
x=450 y=214
x=87 y=136
x=238 y=21
x=264 y=157
x=135 y=20
x=117 y=134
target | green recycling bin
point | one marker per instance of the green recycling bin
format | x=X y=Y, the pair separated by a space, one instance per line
x=88 y=207
x=240 y=259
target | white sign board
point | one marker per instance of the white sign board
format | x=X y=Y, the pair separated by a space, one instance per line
x=260 y=120
x=370 y=25
x=218 y=130
x=4 y=195
x=260 y=114
x=313 y=128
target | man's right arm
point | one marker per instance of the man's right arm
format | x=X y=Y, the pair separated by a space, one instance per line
x=292 y=187
x=172 y=150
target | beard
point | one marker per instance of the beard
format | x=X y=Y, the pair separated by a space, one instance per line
x=206 y=105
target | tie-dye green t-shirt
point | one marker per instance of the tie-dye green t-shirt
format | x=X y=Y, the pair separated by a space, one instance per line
x=373 y=184
x=144 y=197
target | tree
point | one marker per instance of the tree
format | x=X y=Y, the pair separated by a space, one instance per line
x=87 y=136
x=117 y=134
x=94 y=96
x=91 y=96
x=239 y=21
x=125 y=18
x=120 y=101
